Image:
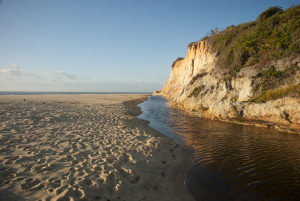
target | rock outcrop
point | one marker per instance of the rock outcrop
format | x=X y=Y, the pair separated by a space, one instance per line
x=197 y=85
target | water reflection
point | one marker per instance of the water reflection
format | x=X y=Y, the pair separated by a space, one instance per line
x=231 y=162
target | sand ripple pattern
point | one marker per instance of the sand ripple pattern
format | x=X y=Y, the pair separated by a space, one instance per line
x=100 y=154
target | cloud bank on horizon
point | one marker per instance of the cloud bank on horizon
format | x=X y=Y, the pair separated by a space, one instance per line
x=11 y=79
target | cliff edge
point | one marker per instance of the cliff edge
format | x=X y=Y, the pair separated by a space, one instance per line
x=196 y=84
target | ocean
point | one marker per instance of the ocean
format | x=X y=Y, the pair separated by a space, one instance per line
x=51 y=92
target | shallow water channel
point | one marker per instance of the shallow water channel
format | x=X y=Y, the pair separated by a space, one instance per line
x=231 y=161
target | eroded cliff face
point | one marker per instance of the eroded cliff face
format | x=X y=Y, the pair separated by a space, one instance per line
x=197 y=85
x=197 y=59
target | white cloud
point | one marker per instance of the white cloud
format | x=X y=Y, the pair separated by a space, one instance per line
x=18 y=80
x=62 y=74
x=17 y=74
x=14 y=66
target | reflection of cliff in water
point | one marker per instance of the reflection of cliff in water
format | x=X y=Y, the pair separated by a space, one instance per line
x=233 y=162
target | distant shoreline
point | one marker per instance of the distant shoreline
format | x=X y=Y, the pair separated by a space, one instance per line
x=51 y=92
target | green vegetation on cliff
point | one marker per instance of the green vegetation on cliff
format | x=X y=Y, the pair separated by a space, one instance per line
x=196 y=91
x=275 y=34
x=178 y=59
x=292 y=90
x=191 y=44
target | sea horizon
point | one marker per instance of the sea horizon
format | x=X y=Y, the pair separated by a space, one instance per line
x=56 y=92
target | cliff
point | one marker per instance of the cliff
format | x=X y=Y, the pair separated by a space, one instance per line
x=196 y=59
x=198 y=85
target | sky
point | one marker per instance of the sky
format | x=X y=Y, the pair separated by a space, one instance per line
x=107 y=45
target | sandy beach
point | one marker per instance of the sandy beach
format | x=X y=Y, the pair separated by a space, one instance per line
x=86 y=147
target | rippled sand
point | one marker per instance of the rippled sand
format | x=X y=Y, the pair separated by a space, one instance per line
x=97 y=147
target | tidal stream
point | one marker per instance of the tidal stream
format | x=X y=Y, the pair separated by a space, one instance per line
x=231 y=161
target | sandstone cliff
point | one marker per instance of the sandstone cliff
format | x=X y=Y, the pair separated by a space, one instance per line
x=197 y=85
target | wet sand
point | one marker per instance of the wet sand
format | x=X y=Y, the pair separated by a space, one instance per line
x=97 y=147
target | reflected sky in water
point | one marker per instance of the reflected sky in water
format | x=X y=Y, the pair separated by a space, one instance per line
x=231 y=162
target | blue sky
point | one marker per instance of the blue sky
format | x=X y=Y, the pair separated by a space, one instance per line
x=107 y=45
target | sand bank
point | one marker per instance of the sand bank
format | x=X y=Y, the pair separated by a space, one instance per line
x=98 y=148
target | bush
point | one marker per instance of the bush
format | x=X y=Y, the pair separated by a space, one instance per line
x=191 y=44
x=277 y=93
x=196 y=91
x=204 y=38
x=178 y=59
x=274 y=35
x=268 y=13
x=234 y=98
x=196 y=77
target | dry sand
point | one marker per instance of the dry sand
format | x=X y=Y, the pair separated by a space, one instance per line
x=101 y=150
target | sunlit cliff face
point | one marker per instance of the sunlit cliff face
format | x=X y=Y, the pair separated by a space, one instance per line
x=196 y=84
x=197 y=59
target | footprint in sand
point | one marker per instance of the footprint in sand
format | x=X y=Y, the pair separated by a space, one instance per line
x=66 y=175
x=110 y=160
x=26 y=148
x=67 y=158
x=80 y=173
x=7 y=181
x=75 y=162
x=4 y=150
x=23 y=159
x=96 y=168
x=41 y=161
x=42 y=150
x=61 y=189
x=103 y=155
x=87 y=182
x=42 y=168
x=71 y=194
x=10 y=160
x=54 y=182
x=30 y=183
x=132 y=178
x=4 y=169
x=125 y=158
x=11 y=147
x=7 y=174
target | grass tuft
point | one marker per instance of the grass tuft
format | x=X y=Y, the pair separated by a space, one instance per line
x=196 y=91
x=196 y=77
x=178 y=59
x=191 y=44
x=277 y=93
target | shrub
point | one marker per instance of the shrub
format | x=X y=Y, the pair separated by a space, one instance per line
x=178 y=59
x=274 y=35
x=234 y=109
x=234 y=98
x=268 y=13
x=196 y=77
x=204 y=108
x=271 y=72
x=196 y=91
x=271 y=78
x=277 y=93
x=213 y=32
x=191 y=44
x=204 y=38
